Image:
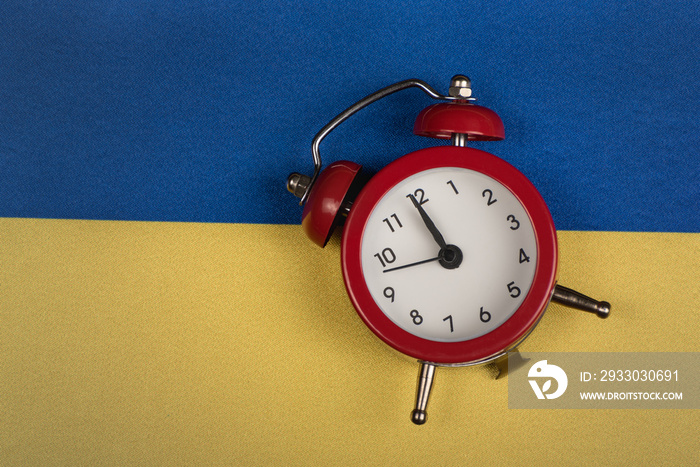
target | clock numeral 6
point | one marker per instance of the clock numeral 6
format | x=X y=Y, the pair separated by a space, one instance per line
x=417 y=318
x=514 y=291
x=484 y=316
x=386 y=257
x=389 y=293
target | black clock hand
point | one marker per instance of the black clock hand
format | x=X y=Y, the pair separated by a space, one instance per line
x=429 y=223
x=450 y=256
x=412 y=264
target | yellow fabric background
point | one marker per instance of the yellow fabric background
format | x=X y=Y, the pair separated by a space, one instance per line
x=175 y=343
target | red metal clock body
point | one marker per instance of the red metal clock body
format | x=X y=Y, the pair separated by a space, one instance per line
x=449 y=254
x=528 y=313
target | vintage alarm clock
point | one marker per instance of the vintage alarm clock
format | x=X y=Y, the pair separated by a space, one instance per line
x=449 y=254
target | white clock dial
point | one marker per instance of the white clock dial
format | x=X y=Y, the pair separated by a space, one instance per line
x=471 y=211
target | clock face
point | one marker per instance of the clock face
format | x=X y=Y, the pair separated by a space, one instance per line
x=449 y=255
x=438 y=300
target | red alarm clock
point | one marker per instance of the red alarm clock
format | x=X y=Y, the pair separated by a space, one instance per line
x=449 y=254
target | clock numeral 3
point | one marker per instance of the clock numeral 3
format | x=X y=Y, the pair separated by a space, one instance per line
x=484 y=316
x=388 y=222
x=514 y=221
x=386 y=257
x=514 y=291
x=417 y=318
x=419 y=194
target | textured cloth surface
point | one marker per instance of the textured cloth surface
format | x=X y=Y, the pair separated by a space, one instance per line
x=198 y=110
x=157 y=306
x=186 y=343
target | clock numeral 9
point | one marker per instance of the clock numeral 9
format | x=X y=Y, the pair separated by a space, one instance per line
x=417 y=318
x=514 y=291
x=386 y=257
x=389 y=293
x=484 y=316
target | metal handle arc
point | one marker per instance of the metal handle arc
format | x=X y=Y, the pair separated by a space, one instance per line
x=345 y=114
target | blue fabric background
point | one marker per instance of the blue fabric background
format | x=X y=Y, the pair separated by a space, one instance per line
x=197 y=111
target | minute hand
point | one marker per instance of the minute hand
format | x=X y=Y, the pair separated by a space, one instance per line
x=412 y=264
x=429 y=223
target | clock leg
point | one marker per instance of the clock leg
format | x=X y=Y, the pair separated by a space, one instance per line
x=510 y=362
x=425 y=383
x=573 y=299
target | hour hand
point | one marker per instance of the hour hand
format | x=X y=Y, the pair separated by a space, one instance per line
x=429 y=223
x=450 y=255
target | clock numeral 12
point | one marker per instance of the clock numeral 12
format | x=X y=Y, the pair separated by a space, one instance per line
x=419 y=195
x=388 y=222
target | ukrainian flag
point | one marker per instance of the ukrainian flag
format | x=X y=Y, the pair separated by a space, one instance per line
x=159 y=303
